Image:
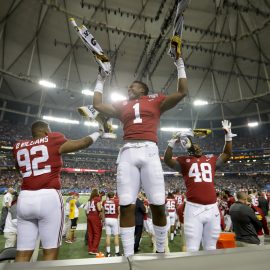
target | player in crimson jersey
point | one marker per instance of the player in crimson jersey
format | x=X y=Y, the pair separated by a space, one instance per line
x=138 y=160
x=110 y=209
x=94 y=225
x=40 y=205
x=202 y=217
x=171 y=206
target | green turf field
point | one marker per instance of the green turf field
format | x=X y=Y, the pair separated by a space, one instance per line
x=78 y=249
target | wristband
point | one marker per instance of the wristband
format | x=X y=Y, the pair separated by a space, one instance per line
x=94 y=136
x=228 y=138
x=172 y=143
x=181 y=73
x=99 y=86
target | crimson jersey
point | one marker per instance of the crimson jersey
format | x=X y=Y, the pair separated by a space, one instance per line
x=146 y=204
x=171 y=204
x=140 y=117
x=179 y=199
x=111 y=208
x=91 y=207
x=199 y=173
x=39 y=161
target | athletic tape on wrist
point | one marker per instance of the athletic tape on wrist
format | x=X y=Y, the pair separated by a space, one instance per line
x=99 y=86
x=181 y=72
x=94 y=136
x=228 y=138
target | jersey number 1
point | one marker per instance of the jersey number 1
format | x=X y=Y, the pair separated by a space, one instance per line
x=138 y=119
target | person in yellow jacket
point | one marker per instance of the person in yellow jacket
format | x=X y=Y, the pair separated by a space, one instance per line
x=74 y=205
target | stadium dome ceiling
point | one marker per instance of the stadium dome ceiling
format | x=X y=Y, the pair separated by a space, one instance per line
x=226 y=51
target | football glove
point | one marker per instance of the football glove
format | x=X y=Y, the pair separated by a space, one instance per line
x=181 y=136
x=226 y=125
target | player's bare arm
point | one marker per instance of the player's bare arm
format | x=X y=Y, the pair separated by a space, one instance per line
x=173 y=99
x=169 y=161
x=227 y=150
x=76 y=145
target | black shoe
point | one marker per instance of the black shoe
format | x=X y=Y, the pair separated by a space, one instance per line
x=108 y=254
x=118 y=254
x=160 y=252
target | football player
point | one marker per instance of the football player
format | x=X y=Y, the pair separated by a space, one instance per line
x=202 y=217
x=40 y=204
x=138 y=160
x=171 y=206
x=110 y=208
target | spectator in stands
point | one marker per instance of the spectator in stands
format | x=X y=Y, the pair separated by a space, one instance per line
x=10 y=230
x=245 y=223
x=7 y=200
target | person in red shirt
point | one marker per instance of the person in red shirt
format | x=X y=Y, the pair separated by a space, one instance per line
x=261 y=217
x=110 y=212
x=202 y=217
x=40 y=204
x=138 y=160
x=94 y=224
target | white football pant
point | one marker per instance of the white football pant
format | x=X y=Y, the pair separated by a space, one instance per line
x=201 y=224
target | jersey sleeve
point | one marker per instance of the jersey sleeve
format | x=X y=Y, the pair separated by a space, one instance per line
x=58 y=138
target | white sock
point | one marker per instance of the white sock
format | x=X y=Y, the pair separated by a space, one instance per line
x=108 y=249
x=116 y=249
x=161 y=234
x=127 y=236
x=172 y=235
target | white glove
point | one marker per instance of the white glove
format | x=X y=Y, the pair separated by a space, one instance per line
x=226 y=125
x=179 y=136
x=188 y=132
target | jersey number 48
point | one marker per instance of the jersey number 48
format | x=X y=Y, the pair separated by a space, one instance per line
x=202 y=174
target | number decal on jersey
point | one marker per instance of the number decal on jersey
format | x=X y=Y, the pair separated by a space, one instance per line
x=138 y=119
x=204 y=175
x=92 y=207
x=109 y=208
x=171 y=205
x=23 y=158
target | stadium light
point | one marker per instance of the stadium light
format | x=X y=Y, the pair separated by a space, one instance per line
x=47 y=84
x=200 y=102
x=87 y=92
x=253 y=124
x=60 y=120
x=173 y=129
x=117 y=97
x=95 y=124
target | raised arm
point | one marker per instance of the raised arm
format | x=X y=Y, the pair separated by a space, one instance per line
x=227 y=150
x=76 y=145
x=172 y=100
x=106 y=109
